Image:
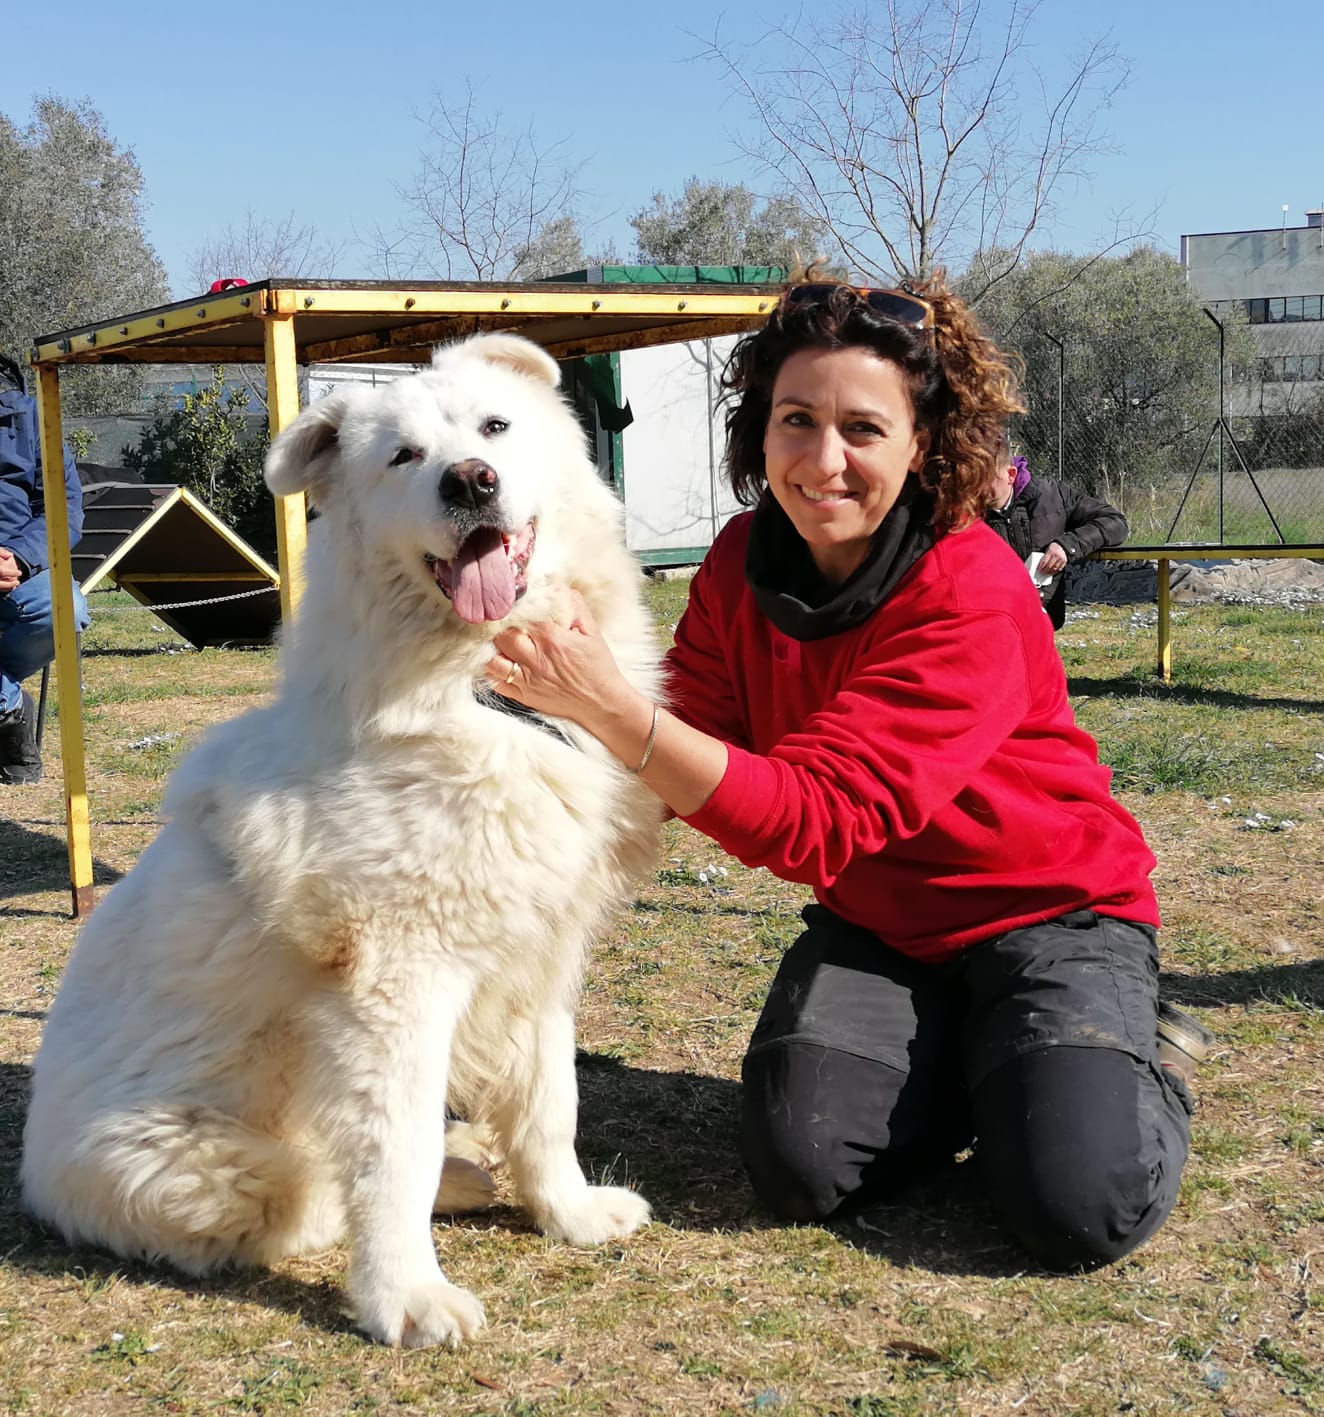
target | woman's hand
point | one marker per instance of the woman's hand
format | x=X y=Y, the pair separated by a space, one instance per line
x=570 y=672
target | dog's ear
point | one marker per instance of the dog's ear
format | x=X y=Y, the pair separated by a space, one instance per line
x=300 y=458
x=520 y=354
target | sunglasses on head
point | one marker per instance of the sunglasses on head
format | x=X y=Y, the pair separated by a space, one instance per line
x=898 y=305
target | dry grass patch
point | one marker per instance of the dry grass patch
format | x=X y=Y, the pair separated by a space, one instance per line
x=918 y=1309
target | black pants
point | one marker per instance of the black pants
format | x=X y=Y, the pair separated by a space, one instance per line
x=1039 y=1047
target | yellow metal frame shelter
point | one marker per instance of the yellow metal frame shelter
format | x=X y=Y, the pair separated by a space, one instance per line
x=284 y=323
x=1166 y=555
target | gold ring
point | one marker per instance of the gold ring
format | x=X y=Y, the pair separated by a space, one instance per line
x=510 y=678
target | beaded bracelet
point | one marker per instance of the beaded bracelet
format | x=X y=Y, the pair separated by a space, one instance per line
x=648 y=747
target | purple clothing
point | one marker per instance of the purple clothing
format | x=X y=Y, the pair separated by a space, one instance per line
x=1022 y=478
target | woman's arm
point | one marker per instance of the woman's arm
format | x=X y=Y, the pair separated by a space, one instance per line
x=571 y=673
x=876 y=762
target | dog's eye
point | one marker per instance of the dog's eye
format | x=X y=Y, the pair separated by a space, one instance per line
x=405 y=455
x=493 y=426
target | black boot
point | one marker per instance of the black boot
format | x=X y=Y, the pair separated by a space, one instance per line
x=20 y=762
x=1183 y=1042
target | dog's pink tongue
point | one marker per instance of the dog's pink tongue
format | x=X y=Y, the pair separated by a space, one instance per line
x=482 y=579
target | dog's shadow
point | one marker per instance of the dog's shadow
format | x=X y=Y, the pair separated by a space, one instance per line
x=673 y=1135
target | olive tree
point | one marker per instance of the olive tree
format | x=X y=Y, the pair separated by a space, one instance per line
x=1121 y=351
x=72 y=244
x=715 y=223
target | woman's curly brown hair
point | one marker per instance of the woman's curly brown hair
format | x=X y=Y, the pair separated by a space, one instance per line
x=963 y=389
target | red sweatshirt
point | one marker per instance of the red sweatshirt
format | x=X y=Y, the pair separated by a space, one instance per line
x=922 y=771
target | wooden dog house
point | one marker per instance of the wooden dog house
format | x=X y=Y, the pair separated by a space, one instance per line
x=169 y=550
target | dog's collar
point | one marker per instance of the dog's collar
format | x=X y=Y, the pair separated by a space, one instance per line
x=525 y=713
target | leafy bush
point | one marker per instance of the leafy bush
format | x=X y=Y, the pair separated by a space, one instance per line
x=208 y=446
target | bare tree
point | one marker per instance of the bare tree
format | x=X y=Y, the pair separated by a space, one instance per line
x=920 y=131
x=492 y=205
x=262 y=247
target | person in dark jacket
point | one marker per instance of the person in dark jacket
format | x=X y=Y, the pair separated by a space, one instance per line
x=1065 y=525
x=27 y=631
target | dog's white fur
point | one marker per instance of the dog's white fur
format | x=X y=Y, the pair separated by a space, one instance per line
x=371 y=897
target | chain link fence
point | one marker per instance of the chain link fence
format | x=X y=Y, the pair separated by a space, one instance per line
x=1203 y=426
x=1218 y=437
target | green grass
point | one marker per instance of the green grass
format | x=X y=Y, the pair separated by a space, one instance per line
x=1295 y=497
x=713 y=1309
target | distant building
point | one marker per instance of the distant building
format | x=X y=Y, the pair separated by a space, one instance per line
x=1274 y=279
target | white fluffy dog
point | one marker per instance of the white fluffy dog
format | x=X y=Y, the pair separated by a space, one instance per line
x=373 y=897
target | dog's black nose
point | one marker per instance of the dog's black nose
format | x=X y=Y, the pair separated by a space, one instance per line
x=470 y=483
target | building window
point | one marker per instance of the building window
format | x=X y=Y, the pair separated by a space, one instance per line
x=1276 y=310
x=1291 y=369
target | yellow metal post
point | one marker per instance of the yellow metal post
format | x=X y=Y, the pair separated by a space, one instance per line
x=78 y=831
x=1164 y=666
x=282 y=409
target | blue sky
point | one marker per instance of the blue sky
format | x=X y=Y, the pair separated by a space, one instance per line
x=308 y=108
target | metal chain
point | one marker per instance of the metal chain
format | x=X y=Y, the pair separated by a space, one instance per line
x=210 y=600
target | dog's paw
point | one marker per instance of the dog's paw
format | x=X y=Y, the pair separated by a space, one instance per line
x=426 y=1316
x=464 y=1186
x=600 y=1213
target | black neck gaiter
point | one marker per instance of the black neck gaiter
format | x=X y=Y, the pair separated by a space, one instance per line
x=802 y=603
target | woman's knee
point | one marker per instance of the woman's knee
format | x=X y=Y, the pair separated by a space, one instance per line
x=1083 y=1152
x=789 y=1120
x=1077 y=1221
x=825 y=1132
x=790 y=1175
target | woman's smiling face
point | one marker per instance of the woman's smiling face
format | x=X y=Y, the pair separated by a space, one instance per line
x=841 y=441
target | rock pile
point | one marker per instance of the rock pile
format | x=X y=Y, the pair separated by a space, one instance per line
x=1289 y=581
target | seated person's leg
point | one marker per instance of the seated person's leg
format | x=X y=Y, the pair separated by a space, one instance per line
x=82 y=615
x=27 y=626
x=27 y=644
x=10 y=691
x=1081 y=1134
x=852 y=1079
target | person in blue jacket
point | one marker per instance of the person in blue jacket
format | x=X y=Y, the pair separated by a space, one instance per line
x=27 y=631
